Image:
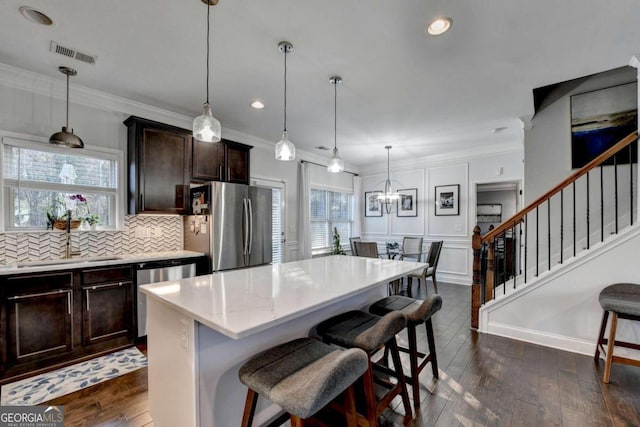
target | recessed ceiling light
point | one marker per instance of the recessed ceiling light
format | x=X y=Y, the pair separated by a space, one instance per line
x=499 y=129
x=257 y=105
x=35 y=15
x=439 y=26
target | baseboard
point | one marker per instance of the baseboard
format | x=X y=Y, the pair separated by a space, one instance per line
x=545 y=339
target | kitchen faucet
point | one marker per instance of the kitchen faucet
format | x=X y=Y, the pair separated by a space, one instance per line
x=68 y=251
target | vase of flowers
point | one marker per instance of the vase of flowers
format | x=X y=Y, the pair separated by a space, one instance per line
x=92 y=220
x=337 y=249
x=72 y=206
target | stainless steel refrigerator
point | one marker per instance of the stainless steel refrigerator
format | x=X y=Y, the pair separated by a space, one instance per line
x=231 y=223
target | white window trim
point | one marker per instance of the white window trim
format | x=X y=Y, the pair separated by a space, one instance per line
x=36 y=142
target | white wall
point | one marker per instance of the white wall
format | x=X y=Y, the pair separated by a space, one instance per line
x=33 y=104
x=425 y=174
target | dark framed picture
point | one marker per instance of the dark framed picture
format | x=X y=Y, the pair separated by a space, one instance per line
x=601 y=118
x=407 y=203
x=447 y=200
x=372 y=205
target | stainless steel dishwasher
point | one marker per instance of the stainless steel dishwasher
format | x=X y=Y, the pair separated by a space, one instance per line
x=159 y=271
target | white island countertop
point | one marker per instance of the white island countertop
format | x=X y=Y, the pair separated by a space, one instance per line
x=240 y=303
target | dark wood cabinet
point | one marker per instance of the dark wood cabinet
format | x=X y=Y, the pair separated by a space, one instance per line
x=221 y=161
x=159 y=158
x=37 y=313
x=107 y=305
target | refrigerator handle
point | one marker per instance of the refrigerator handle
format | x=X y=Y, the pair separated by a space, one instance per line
x=250 y=217
x=245 y=223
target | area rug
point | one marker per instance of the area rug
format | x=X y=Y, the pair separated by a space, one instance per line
x=42 y=388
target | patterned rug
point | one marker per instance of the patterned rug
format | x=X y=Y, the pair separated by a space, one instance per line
x=42 y=388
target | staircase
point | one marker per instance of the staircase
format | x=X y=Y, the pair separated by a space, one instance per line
x=590 y=214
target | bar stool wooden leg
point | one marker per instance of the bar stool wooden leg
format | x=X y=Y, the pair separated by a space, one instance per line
x=603 y=326
x=432 y=347
x=413 y=360
x=370 y=396
x=612 y=340
x=395 y=356
x=350 y=407
x=249 y=408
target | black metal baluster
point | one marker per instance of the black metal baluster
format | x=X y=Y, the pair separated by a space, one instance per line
x=483 y=272
x=574 y=218
x=615 y=188
x=561 y=224
x=588 y=207
x=495 y=266
x=537 y=238
x=526 y=242
x=601 y=204
x=549 y=232
x=631 y=183
x=514 y=258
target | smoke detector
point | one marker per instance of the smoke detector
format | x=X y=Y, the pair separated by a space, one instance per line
x=72 y=53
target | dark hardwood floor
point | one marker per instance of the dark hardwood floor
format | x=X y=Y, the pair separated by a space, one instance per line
x=484 y=380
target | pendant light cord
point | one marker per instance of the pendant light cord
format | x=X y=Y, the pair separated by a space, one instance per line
x=285 y=88
x=208 y=11
x=388 y=165
x=335 y=115
x=67 y=100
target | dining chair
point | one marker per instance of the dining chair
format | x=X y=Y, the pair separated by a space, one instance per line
x=366 y=249
x=352 y=241
x=412 y=248
x=430 y=271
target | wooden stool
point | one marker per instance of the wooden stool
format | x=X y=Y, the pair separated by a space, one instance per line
x=417 y=312
x=371 y=333
x=623 y=300
x=303 y=376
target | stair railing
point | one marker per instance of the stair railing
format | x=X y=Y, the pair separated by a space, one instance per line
x=504 y=255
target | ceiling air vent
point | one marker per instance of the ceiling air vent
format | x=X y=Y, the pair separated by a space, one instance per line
x=72 y=53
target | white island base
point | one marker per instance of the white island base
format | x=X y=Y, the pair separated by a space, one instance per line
x=201 y=330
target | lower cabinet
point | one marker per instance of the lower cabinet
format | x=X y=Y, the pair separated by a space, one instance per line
x=107 y=305
x=54 y=318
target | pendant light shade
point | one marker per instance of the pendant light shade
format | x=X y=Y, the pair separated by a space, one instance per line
x=389 y=197
x=206 y=127
x=336 y=164
x=66 y=138
x=285 y=150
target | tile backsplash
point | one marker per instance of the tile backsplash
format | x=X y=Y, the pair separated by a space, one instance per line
x=140 y=234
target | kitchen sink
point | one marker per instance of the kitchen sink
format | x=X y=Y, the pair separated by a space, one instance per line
x=66 y=261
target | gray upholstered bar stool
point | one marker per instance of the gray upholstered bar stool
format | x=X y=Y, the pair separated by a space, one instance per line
x=417 y=312
x=371 y=333
x=623 y=300
x=302 y=377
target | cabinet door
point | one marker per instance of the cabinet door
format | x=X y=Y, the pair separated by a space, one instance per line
x=237 y=164
x=164 y=171
x=107 y=312
x=39 y=325
x=208 y=161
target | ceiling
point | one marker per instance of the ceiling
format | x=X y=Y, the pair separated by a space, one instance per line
x=424 y=95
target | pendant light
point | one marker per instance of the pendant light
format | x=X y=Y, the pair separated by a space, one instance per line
x=389 y=197
x=206 y=127
x=336 y=164
x=66 y=138
x=285 y=150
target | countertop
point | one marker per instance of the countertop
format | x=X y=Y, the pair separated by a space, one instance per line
x=240 y=303
x=97 y=261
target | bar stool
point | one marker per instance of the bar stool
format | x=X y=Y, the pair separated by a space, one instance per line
x=371 y=333
x=417 y=312
x=623 y=300
x=303 y=376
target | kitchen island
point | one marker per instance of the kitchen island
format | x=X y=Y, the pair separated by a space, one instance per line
x=202 y=329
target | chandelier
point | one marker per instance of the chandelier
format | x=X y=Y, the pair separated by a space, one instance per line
x=389 y=197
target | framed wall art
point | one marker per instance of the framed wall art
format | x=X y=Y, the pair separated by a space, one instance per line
x=372 y=205
x=601 y=118
x=407 y=203
x=447 y=200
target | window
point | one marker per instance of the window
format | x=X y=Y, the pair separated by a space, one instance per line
x=34 y=174
x=330 y=209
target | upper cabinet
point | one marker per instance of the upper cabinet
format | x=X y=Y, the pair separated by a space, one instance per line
x=221 y=161
x=164 y=160
x=159 y=167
